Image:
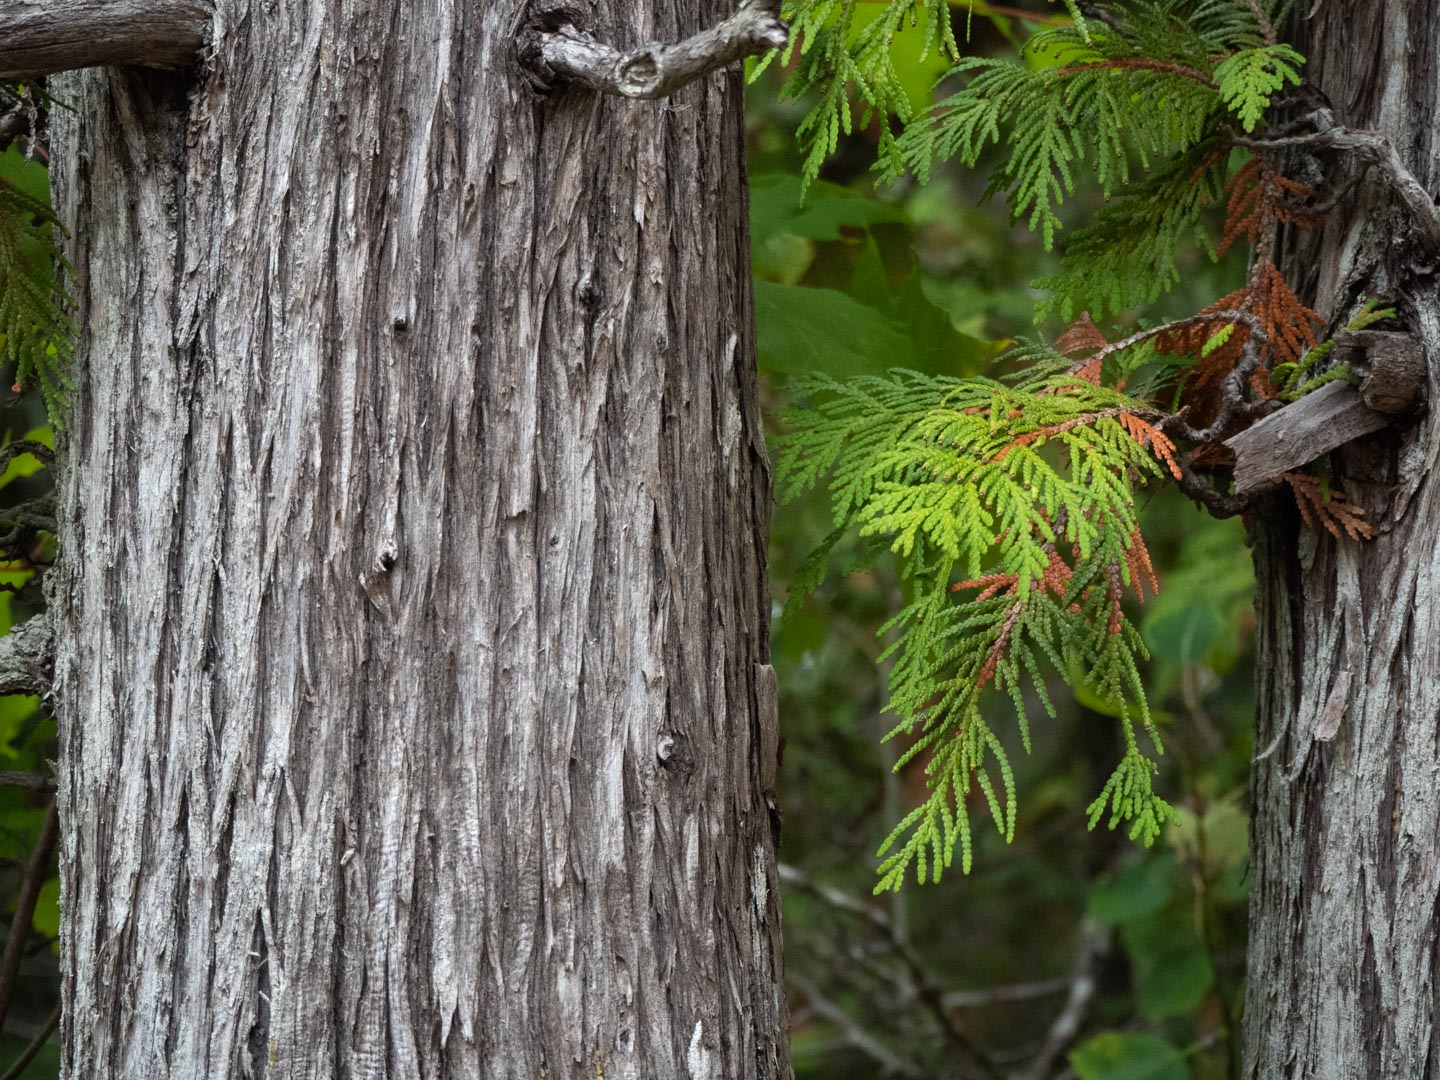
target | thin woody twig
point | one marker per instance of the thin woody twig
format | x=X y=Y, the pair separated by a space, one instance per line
x=965 y=1053
x=30 y=781
x=1234 y=404
x=996 y=995
x=30 y=883
x=18 y=1066
x=853 y=1033
x=1370 y=148
x=1094 y=945
x=1267 y=28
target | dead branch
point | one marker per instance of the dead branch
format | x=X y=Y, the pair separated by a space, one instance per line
x=964 y=1053
x=27 y=654
x=654 y=71
x=1371 y=149
x=1094 y=945
x=41 y=37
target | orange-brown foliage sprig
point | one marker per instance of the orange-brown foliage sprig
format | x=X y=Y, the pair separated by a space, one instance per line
x=1261 y=200
x=1328 y=509
x=1055 y=580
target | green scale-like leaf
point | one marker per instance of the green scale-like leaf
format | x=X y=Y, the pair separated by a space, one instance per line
x=964 y=476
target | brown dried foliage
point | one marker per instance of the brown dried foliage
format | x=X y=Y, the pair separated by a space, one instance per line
x=1153 y=439
x=1080 y=336
x=1260 y=199
x=1259 y=194
x=1142 y=572
x=1330 y=511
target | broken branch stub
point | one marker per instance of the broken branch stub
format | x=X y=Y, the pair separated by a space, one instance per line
x=655 y=70
x=1393 y=369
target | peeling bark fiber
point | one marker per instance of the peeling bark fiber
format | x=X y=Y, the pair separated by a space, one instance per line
x=412 y=627
x=1344 y=965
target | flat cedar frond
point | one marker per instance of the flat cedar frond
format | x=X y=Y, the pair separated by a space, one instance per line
x=843 y=60
x=1153 y=439
x=1327 y=508
x=1127 y=255
x=1090 y=371
x=1248 y=79
x=1289 y=325
x=1012 y=505
x=1028 y=438
x=1106 y=113
x=1142 y=573
x=1242 y=213
x=989 y=585
x=1014 y=513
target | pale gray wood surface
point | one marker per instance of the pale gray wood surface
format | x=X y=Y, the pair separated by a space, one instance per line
x=413 y=678
x=1300 y=432
x=1343 y=971
x=658 y=70
x=38 y=37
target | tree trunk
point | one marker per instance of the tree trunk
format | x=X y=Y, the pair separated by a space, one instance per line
x=413 y=638
x=1344 y=966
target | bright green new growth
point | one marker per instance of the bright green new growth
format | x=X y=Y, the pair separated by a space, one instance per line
x=1250 y=78
x=1290 y=380
x=1027 y=493
x=1142 y=106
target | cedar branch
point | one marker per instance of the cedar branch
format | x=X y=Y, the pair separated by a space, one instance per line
x=27 y=655
x=654 y=71
x=42 y=37
x=1372 y=149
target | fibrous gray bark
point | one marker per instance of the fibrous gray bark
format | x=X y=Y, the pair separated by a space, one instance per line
x=1344 y=975
x=412 y=663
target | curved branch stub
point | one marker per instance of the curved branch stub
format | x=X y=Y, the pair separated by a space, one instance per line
x=27 y=657
x=650 y=71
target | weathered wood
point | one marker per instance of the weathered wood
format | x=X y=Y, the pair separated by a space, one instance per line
x=413 y=625
x=41 y=37
x=1393 y=366
x=1343 y=970
x=1300 y=432
x=27 y=653
x=657 y=71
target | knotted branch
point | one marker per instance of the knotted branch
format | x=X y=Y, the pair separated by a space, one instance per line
x=1372 y=150
x=653 y=71
x=27 y=657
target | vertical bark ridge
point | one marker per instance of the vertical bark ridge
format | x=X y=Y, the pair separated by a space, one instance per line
x=1345 y=864
x=413 y=582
